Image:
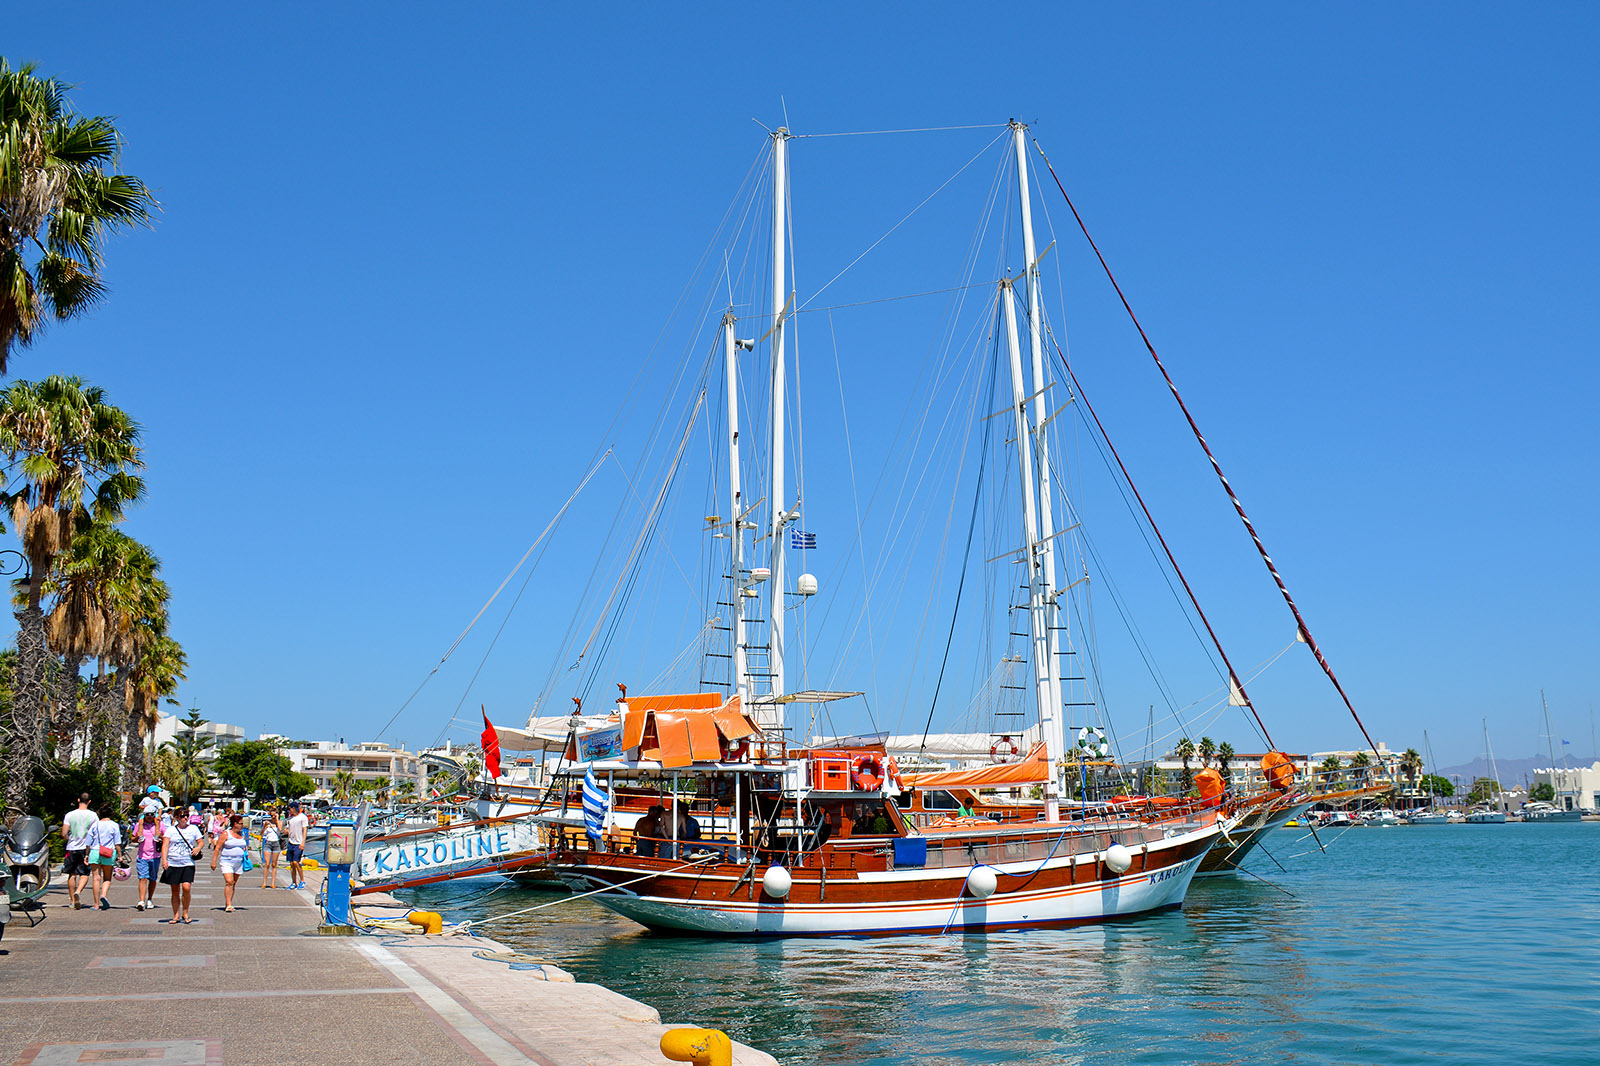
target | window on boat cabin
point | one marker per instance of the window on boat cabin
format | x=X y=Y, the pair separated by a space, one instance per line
x=937 y=799
x=855 y=818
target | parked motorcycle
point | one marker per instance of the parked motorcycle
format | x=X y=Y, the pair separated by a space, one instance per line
x=25 y=851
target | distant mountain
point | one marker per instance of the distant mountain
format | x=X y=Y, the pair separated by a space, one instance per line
x=1512 y=771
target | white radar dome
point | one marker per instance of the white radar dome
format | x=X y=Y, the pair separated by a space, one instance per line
x=806 y=585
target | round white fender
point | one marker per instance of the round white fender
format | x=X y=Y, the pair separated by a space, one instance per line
x=1118 y=859
x=982 y=882
x=776 y=882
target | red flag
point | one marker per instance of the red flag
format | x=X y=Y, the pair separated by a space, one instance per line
x=491 y=748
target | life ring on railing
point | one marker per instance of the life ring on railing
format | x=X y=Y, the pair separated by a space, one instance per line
x=1003 y=749
x=866 y=773
x=734 y=751
x=891 y=771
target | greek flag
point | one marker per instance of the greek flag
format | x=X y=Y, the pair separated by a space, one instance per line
x=801 y=539
x=596 y=805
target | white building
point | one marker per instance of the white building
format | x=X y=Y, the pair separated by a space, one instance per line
x=323 y=760
x=221 y=733
x=1577 y=787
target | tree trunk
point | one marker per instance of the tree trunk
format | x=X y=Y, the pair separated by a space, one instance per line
x=135 y=771
x=106 y=732
x=30 y=715
x=68 y=720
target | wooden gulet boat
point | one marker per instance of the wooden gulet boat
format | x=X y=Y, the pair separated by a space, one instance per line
x=810 y=842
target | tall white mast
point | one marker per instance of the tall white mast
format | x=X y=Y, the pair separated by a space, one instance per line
x=1043 y=675
x=741 y=677
x=1041 y=384
x=780 y=292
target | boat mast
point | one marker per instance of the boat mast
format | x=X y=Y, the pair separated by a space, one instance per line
x=780 y=516
x=1494 y=772
x=1041 y=383
x=1550 y=740
x=1044 y=689
x=741 y=678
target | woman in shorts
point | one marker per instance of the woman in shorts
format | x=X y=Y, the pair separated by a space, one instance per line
x=271 y=848
x=105 y=837
x=229 y=856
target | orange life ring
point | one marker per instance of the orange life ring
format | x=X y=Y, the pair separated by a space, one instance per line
x=734 y=752
x=891 y=770
x=1009 y=746
x=866 y=773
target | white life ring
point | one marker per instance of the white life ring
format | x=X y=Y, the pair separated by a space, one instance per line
x=1003 y=749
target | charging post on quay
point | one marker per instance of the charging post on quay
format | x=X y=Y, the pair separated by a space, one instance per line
x=345 y=828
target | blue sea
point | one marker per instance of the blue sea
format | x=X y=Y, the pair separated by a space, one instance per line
x=1425 y=944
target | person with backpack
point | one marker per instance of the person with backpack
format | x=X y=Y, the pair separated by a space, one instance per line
x=181 y=844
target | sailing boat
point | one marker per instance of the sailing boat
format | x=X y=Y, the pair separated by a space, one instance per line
x=1562 y=810
x=1492 y=815
x=809 y=840
x=1430 y=816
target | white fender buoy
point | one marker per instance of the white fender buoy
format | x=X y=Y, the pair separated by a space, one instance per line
x=1118 y=859
x=776 y=882
x=982 y=882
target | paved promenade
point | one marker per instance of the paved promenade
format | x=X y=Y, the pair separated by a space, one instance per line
x=259 y=987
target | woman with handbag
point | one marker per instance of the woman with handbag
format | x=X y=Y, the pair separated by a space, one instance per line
x=105 y=836
x=231 y=855
x=181 y=844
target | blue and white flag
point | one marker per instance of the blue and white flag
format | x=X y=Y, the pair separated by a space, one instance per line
x=596 y=805
x=801 y=539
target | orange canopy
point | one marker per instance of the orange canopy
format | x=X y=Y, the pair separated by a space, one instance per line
x=680 y=730
x=1032 y=769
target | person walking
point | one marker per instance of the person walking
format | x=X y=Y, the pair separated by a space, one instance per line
x=101 y=844
x=271 y=848
x=217 y=826
x=230 y=854
x=75 y=827
x=295 y=830
x=146 y=839
x=181 y=845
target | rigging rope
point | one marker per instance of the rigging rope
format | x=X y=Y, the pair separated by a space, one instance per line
x=1233 y=675
x=1300 y=621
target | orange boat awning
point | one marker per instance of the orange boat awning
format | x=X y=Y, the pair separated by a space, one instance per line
x=680 y=730
x=1033 y=769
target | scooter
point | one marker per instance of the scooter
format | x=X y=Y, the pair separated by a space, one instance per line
x=25 y=850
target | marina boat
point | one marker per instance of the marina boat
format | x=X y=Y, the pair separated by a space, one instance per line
x=1485 y=816
x=1426 y=817
x=757 y=836
x=1247 y=832
x=1539 y=811
x=1381 y=817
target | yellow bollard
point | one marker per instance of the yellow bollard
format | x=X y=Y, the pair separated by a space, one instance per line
x=703 y=1047
x=431 y=921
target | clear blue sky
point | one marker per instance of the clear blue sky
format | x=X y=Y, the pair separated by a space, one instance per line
x=410 y=256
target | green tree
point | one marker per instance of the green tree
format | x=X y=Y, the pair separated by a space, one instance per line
x=1225 y=756
x=1483 y=790
x=76 y=456
x=192 y=774
x=255 y=767
x=344 y=786
x=1361 y=767
x=380 y=787
x=1330 y=772
x=1185 y=751
x=1207 y=750
x=1435 y=785
x=405 y=791
x=60 y=198
x=1543 y=791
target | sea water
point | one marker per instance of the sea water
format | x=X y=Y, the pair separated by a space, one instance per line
x=1407 y=944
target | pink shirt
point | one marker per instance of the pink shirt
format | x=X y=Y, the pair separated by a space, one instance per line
x=149 y=838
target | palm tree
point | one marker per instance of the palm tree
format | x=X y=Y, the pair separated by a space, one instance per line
x=1329 y=769
x=58 y=180
x=189 y=745
x=76 y=455
x=1207 y=749
x=381 y=787
x=78 y=624
x=344 y=785
x=1225 y=755
x=1411 y=766
x=405 y=791
x=1361 y=763
x=153 y=677
x=1185 y=751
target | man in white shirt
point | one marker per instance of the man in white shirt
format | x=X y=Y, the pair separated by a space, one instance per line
x=295 y=830
x=75 y=827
